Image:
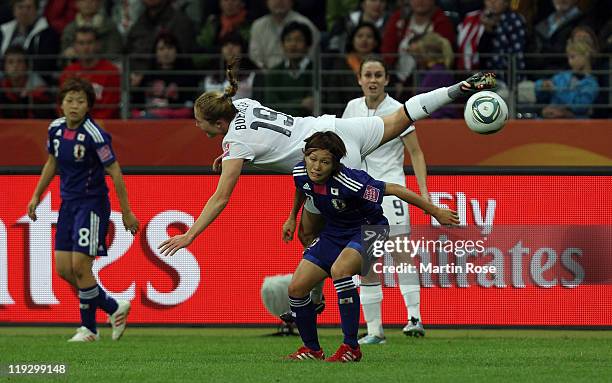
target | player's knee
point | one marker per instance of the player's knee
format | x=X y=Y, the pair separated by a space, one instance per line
x=297 y=289
x=81 y=269
x=341 y=270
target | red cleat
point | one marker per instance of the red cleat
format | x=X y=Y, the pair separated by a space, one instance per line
x=304 y=353
x=345 y=354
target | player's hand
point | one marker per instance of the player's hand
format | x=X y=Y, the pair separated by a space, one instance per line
x=217 y=164
x=130 y=222
x=32 y=208
x=174 y=244
x=446 y=216
x=288 y=229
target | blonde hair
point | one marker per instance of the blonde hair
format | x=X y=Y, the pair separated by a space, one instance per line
x=215 y=105
x=581 y=48
x=435 y=48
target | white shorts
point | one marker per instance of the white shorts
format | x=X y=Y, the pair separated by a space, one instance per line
x=396 y=212
x=361 y=136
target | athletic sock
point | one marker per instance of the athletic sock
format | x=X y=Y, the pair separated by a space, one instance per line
x=306 y=321
x=411 y=292
x=88 y=303
x=371 y=298
x=106 y=302
x=348 y=303
x=424 y=104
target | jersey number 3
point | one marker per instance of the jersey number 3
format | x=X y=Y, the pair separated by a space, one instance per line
x=271 y=115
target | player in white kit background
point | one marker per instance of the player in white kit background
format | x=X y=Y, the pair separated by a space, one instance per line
x=387 y=164
x=274 y=141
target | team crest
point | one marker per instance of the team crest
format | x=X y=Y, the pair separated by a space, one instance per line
x=79 y=152
x=338 y=204
x=80 y=137
x=334 y=191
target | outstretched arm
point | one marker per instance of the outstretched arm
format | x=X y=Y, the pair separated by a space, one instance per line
x=444 y=216
x=411 y=142
x=130 y=222
x=215 y=205
x=289 y=225
x=47 y=174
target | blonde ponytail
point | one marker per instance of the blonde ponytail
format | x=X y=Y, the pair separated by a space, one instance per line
x=215 y=105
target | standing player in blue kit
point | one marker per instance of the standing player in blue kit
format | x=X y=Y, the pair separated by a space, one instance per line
x=347 y=199
x=82 y=153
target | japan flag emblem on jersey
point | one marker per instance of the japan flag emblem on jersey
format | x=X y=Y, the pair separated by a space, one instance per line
x=79 y=152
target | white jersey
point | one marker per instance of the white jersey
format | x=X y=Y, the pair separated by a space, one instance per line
x=387 y=162
x=274 y=140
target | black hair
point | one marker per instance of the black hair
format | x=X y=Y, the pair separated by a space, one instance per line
x=329 y=141
x=296 y=26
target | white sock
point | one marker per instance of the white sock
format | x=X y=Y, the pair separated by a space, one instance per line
x=411 y=291
x=371 y=298
x=316 y=294
x=424 y=104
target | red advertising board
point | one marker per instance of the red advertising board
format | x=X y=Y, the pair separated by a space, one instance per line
x=217 y=280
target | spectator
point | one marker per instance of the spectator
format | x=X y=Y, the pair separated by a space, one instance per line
x=495 y=31
x=125 y=13
x=435 y=58
x=372 y=11
x=570 y=93
x=233 y=46
x=164 y=91
x=103 y=75
x=339 y=86
x=23 y=93
x=60 y=13
x=32 y=33
x=91 y=14
x=407 y=23
x=233 y=18
x=265 y=48
x=158 y=15
x=552 y=33
x=289 y=85
x=586 y=34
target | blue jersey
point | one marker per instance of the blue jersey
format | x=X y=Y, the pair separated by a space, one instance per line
x=348 y=200
x=81 y=154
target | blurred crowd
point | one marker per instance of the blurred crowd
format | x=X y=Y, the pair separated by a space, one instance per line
x=151 y=58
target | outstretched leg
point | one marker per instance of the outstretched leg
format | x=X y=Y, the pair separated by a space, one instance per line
x=422 y=105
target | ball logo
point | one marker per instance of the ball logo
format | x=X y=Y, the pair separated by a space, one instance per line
x=486 y=110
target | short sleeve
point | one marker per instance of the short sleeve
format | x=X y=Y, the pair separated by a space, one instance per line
x=103 y=147
x=299 y=172
x=406 y=132
x=237 y=150
x=362 y=185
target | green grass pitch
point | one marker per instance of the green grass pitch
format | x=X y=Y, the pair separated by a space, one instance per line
x=247 y=355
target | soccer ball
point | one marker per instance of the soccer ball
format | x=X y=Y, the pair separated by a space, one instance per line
x=485 y=112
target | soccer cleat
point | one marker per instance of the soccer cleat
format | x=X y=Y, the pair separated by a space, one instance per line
x=83 y=334
x=305 y=353
x=414 y=328
x=372 y=339
x=477 y=82
x=345 y=353
x=118 y=320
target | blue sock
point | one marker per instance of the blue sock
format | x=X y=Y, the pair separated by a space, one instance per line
x=106 y=302
x=348 y=303
x=306 y=321
x=88 y=303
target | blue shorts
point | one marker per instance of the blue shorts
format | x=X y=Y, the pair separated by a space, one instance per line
x=82 y=225
x=325 y=249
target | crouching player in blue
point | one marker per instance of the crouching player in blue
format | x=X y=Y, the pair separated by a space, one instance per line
x=82 y=152
x=347 y=199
